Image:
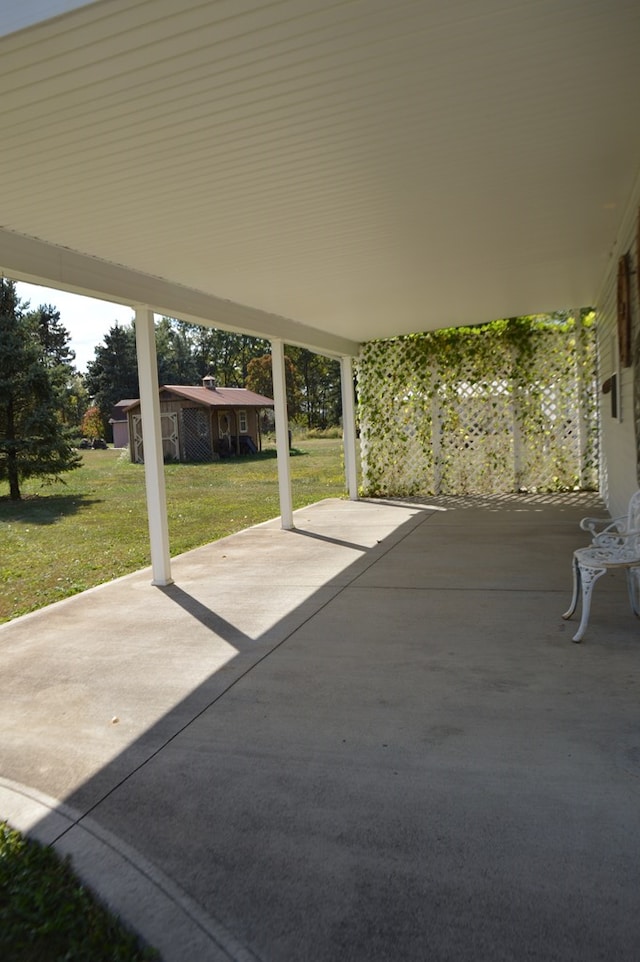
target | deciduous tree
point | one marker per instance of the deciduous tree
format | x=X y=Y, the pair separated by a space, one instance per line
x=319 y=380
x=260 y=380
x=92 y=423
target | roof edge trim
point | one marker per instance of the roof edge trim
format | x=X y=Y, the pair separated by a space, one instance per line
x=35 y=261
x=31 y=13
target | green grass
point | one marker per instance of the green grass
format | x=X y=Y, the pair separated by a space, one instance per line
x=64 y=538
x=47 y=915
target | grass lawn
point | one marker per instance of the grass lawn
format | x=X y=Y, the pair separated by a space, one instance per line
x=64 y=538
x=47 y=915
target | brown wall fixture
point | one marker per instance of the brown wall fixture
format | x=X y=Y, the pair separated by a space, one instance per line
x=624 y=311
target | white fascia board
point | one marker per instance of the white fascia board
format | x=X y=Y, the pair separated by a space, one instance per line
x=36 y=262
x=28 y=13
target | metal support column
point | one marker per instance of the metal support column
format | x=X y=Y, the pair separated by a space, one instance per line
x=282 y=433
x=152 y=443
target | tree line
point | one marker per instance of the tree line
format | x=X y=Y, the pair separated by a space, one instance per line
x=46 y=404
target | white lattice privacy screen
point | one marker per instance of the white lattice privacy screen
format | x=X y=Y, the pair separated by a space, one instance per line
x=495 y=409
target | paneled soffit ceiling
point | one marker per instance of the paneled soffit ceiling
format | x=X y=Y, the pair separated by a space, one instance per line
x=333 y=171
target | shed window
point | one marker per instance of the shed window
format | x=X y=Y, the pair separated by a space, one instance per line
x=243 y=425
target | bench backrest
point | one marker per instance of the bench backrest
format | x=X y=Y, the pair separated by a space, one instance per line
x=633 y=520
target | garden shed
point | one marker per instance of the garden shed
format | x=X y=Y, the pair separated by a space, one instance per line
x=202 y=423
x=120 y=423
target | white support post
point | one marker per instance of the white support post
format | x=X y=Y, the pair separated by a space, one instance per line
x=349 y=427
x=583 y=404
x=282 y=433
x=152 y=442
x=436 y=438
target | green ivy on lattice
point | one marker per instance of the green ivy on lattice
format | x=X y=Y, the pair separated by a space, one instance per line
x=502 y=407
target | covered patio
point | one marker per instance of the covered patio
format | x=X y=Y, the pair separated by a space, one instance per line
x=397 y=753
x=325 y=175
x=394 y=752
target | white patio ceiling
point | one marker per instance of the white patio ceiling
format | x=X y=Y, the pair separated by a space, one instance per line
x=328 y=172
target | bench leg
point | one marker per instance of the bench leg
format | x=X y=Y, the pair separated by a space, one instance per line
x=588 y=578
x=633 y=574
x=576 y=590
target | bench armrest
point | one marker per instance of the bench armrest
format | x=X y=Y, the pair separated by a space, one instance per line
x=593 y=524
x=612 y=538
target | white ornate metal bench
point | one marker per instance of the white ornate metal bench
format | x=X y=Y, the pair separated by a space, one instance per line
x=616 y=545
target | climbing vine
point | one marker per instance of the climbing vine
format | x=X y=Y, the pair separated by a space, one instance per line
x=497 y=408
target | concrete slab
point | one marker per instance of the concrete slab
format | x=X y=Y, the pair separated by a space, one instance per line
x=132 y=887
x=387 y=747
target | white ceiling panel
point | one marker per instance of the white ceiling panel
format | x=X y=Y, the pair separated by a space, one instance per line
x=360 y=168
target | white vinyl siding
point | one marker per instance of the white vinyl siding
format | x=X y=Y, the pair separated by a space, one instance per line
x=619 y=472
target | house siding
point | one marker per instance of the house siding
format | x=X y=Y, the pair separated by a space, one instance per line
x=619 y=462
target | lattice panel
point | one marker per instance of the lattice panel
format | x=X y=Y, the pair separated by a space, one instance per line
x=476 y=440
x=196 y=434
x=479 y=411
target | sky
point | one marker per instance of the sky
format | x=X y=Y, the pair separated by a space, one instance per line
x=86 y=319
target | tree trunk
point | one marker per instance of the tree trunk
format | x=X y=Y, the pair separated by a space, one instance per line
x=12 y=471
x=12 y=456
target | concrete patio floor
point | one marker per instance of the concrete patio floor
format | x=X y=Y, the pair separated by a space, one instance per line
x=370 y=738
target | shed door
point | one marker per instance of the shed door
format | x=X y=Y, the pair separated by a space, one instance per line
x=169 y=432
x=138 y=450
x=169 y=435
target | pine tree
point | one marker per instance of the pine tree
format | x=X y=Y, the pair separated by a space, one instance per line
x=33 y=440
x=53 y=336
x=113 y=375
x=59 y=358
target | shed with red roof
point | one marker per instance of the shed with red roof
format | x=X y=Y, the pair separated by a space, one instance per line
x=203 y=423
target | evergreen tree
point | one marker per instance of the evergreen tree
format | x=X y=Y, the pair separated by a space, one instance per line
x=33 y=440
x=53 y=337
x=59 y=357
x=113 y=374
